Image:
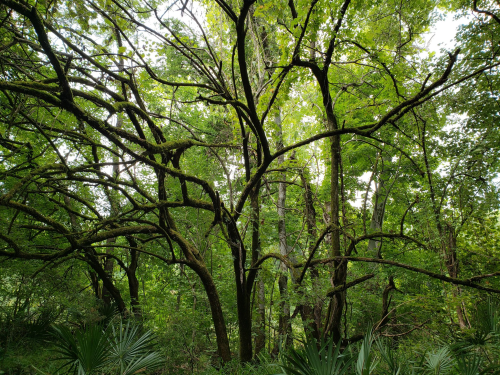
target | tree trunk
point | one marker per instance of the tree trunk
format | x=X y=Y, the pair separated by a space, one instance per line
x=311 y=315
x=381 y=193
x=260 y=339
x=133 y=282
x=260 y=342
x=451 y=261
x=284 y=327
x=223 y=348
x=109 y=262
x=243 y=291
x=94 y=279
x=447 y=234
x=108 y=268
x=386 y=302
x=106 y=281
x=340 y=267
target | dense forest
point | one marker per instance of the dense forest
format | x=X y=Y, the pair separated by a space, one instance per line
x=254 y=187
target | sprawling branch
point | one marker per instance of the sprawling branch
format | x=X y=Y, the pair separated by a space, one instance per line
x=469 y=283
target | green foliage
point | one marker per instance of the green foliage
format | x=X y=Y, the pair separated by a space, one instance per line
x=393 y=364
x=366 y=363
x=84 y=353
x=130 y=351
x=328 y=359
x=382 y=359
x=439 y=361
x=139 y=164
x=469 y=365
x=235 y=367
x=118 y=348
x=485 y=333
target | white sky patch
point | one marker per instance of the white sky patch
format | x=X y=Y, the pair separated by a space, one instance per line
x=442 y=34
x=454 y=122
x=360 y=194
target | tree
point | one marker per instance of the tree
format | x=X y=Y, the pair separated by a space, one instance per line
x=175 y=124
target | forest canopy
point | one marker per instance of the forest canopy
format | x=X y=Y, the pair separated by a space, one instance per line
x=239 y=175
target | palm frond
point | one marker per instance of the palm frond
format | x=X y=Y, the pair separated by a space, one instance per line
x=439 y=362
x=327 y=360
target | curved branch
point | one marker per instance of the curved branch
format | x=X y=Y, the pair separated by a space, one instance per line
x=325 y=231
x=488 y=13
x=470 y=283
x=341 y=288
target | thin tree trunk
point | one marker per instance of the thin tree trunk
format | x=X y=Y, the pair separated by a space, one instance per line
x=96 y=287
x=133 y=282
x=260 y=339
x=260 y=343
x=106 y=281
x=381 y=193
x=243 y=292
x=194 y=260
x=109 y=262
x=386 y=302
x=285 y=327
x=311 y=315
x=446 y=232
x=451 y=261
x=340 y=267
x=108 y=268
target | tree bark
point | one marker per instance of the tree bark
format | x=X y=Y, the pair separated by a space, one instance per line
x=260 y=339
x=446 y=232
x=223 y=348
x=339 y=277
x=243 y=291
x=109 y=262
x=284 y=327
x=106 y=281
x=451 y=262
x=381 y=192
x=311 y=315
x=133 y=282
x=386 y=302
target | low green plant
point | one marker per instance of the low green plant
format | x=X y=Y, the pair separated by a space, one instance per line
x=235 y=367
x=328 y=359
x=391 y=360
x=439 y=362
x=118 y=349
x=485 y=332
x=469 y=365
x=130 y=351
x=366 y=363
x=84 y=352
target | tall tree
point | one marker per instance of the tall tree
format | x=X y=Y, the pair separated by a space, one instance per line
x=175 y=121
